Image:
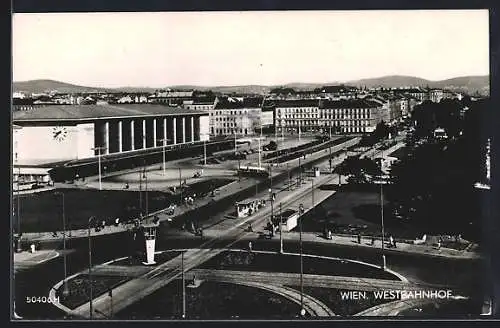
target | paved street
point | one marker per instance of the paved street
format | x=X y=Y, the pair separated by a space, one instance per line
x=228 y=232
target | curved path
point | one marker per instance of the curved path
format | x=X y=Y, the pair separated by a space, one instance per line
x=393 y=308
x=280 y=278
x=312 y=306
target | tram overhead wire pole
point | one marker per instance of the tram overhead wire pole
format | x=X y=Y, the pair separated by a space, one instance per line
x=164 y=144
x=382 y=216
x=144 y=175
x=183 y=287
x=65 y=287
x=99 y=149
x=91 y=220
x=302 y=310
x=204 y=152
x=281 y=230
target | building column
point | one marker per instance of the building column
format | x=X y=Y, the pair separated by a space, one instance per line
x=183 y=129
x=192 y=128
x=144 y=134
x=106 y=137
x=175 y=130
x=120 y=141
x=154 y=133
x=132 y=141
x=165 y=130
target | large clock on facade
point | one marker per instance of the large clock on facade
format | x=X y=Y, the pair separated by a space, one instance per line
x=59 y=133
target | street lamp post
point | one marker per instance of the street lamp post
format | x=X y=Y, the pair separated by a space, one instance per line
x=183 y=288
x=180 y=183
x=301 y=211
x=300 y=173
x=140 y=192
x=235 y=143
x=146 y=199
x=272 y=203
x=281 y=231
x=204 y=152
x=299 y=128
x=91 y=220
x=312 y=192
x=65 y=290
x=260 y=137
x=289 y=177
x=99 y=149
x=330 y=157
x=382 y=217
x=18 y=210
x=164 y=143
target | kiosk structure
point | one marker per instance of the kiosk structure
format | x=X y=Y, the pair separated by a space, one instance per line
x=150 y=239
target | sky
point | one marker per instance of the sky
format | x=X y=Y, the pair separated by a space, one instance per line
x=241 y=48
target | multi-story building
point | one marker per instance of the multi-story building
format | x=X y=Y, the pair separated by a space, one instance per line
x=296 y=115
x=200 y=103
x=337 y=116
x=389 y=108
x=435 y=95
x=351 y=116
x=170 y=97
x=417 y=93
x=231 y=116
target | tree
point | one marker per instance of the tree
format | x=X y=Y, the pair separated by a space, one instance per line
x=381 y=131
x=358 y=169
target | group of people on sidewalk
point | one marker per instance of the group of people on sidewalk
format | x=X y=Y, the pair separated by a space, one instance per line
x=391 y=243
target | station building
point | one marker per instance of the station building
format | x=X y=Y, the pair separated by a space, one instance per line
x=72 y=132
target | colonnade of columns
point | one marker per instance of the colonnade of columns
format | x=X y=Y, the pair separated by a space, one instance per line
x=127 y=134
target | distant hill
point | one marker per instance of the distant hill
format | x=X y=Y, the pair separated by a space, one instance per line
x=38 y=86
x=468 y=84
x=225 y=89
x=390 y=81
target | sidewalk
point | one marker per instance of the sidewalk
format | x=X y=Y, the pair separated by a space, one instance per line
x=425 y=250
x=28 y=259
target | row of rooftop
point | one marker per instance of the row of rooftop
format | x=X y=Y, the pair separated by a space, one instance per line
x=196 y=99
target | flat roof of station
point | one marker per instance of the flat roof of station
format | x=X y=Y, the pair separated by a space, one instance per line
x=89 y=112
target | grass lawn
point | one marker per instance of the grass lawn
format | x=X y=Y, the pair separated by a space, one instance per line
x=332 y=298
x=350 y=211
x=211 y=300
x=455 y=309
x=79 y=289
x=263 y=262
x=43 y=211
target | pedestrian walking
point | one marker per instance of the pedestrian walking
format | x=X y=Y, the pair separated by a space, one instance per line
x=391 y=241
x=359 y=238
x=373 y=240
x=250 y=246
x=439 y=243
x=394 y=243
